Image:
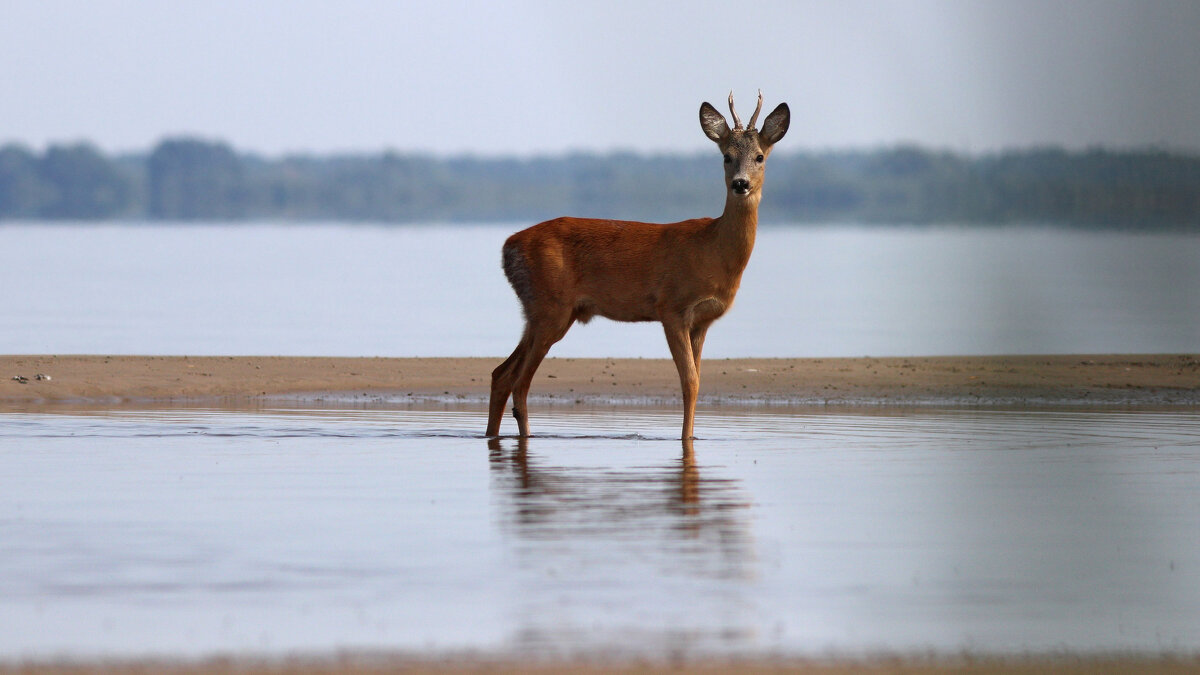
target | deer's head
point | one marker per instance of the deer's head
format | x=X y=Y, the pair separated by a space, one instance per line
x=745 y=149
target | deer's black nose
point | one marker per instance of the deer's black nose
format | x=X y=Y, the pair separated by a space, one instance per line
x=740 y=186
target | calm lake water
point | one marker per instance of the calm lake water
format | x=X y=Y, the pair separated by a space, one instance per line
x=339 y=290
x=189 y=532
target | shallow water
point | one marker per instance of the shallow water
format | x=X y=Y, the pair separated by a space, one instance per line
x=186 y=532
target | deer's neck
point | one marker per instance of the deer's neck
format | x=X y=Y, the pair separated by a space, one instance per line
x=736 y=229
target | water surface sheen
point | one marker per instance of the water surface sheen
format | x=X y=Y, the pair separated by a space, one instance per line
x=188 y=532
x=337 y=290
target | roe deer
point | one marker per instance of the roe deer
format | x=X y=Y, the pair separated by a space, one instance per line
x=681 y=274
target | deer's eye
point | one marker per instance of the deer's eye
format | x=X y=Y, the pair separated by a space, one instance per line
x=759 y=159
x=728 y=159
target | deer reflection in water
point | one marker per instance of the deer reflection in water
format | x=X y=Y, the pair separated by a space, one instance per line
x=677 y=516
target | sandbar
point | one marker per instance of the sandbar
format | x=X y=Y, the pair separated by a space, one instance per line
x=1078 y=380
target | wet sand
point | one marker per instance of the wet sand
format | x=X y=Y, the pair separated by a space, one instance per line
x=1135 y=380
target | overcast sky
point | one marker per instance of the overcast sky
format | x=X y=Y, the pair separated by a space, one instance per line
x=486 y=78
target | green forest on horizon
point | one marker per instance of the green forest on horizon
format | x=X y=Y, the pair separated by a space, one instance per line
x=189 y=179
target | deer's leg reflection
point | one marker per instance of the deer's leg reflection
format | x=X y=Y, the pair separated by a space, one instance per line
x=689 y=481
x=514 y=462
x=547 y=493
x=496 y=448
x=566 y=510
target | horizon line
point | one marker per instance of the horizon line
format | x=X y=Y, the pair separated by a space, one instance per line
x=567 y=153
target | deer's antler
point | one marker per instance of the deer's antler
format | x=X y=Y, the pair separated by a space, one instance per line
x=754 y=117
x=737 y=121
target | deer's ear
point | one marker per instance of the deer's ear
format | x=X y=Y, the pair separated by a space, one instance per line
x=776 y=124
x=713 y=123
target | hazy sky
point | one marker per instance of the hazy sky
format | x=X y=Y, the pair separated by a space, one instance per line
x=527 y=77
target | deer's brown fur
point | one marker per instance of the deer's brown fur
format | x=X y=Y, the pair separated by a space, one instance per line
x=684 y=275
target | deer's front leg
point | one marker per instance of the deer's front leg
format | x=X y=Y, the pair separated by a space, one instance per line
x=680 y=343
x=697 y=336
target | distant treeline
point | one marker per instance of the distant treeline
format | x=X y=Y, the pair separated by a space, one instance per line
x=187 y=179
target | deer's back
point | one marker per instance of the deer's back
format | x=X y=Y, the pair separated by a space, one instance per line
x=618 y=269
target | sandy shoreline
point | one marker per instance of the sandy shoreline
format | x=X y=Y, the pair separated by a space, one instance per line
x=1133 y=380
x=1029 y=665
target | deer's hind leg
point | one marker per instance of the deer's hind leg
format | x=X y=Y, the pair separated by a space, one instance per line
x=548 y=329
x=503 y=379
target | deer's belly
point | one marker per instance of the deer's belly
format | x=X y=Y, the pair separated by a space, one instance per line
x=704 y=310
x=617 y=311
